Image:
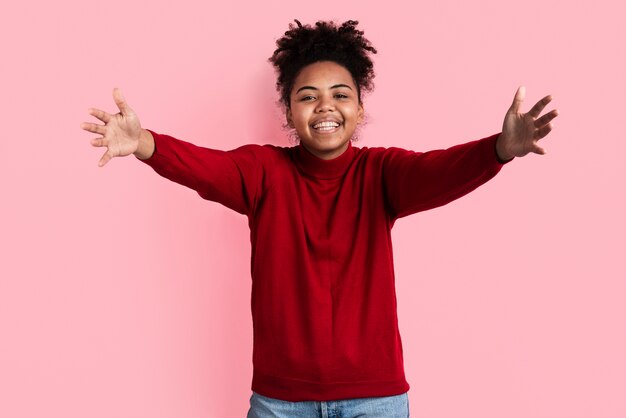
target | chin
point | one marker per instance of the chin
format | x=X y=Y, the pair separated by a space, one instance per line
x=331 y=142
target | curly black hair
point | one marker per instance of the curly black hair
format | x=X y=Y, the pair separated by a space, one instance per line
x=304 y=45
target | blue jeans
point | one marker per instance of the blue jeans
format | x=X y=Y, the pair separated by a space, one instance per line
x=380 y=407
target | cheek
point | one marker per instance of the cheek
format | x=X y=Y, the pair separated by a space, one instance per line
x=300 y=118
x=301 y=124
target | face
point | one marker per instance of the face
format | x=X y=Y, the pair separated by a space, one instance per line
x=324 y=91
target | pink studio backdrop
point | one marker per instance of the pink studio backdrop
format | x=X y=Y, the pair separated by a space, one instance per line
x=125 y=295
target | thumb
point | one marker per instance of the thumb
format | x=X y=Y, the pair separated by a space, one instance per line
x=120 y=101
x=520 y=94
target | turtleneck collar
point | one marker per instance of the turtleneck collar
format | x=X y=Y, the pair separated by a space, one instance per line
x=323 y=169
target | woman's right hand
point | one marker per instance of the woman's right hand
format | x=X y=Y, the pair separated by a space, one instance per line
x=120 y=133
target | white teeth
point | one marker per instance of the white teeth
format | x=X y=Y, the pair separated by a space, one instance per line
x=323 y=125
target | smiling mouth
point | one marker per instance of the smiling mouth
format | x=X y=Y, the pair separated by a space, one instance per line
x=327 y=127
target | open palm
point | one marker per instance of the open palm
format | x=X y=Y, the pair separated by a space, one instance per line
x=522 y=131
x=120 y=133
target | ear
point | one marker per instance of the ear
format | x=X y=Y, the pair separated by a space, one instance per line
x=360 y=114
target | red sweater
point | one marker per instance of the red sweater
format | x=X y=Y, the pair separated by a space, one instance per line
x=323 y=286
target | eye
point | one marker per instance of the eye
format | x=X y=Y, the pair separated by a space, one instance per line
x=305 y=97
x=343 y=96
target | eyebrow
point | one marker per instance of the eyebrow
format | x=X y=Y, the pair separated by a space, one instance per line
x=314 y=88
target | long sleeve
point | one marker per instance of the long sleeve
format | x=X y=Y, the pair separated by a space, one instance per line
x=418 y=181
x=231 y=178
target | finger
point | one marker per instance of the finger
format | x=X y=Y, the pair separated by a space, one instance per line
x=105 y=159
x=520 y=94
x=120 y=101
x=538 y=150
x=546 y=118
x=538 y=107
x=543 y=131
x=99 y=142
x=92 y=127
x=100 y=114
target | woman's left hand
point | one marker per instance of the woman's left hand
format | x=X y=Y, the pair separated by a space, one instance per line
x=522 y=131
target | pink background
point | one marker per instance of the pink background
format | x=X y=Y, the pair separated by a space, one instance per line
x=125 y=295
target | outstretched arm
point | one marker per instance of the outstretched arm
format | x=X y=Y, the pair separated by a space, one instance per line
x=522 y=131
x=417 y=181
x=231 y=178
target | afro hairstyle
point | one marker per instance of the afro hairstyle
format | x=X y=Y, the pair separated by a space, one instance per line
x=304 y=45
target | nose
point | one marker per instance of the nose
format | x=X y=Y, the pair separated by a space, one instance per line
x=324 y=104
